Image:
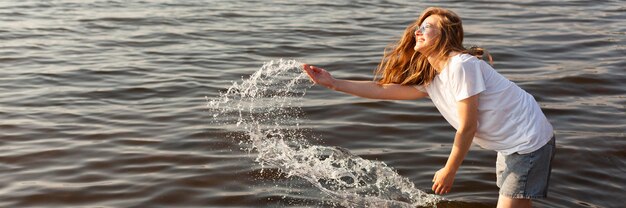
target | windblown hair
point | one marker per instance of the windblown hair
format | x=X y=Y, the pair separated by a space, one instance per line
x=401 y=64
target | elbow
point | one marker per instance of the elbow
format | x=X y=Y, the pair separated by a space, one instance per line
x=468 y=130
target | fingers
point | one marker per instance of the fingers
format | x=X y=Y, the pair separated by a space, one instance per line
x=443 y=189
x=306 y=68
x=439 y=188
x=310 y=69
x=316 y=69
x=319 y=76
x=309 y=72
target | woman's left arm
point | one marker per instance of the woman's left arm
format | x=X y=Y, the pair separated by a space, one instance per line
x=468 y=117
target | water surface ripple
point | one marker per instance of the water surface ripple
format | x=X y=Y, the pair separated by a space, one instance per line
x=102 y=103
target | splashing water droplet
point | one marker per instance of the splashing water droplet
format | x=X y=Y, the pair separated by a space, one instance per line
x=266 y=107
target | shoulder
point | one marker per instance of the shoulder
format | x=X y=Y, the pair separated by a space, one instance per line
x=463 y=59
x=462 y=62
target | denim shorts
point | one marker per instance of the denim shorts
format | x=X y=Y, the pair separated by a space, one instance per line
x=525 y=176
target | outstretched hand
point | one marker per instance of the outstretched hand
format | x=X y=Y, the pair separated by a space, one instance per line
x=319 y=76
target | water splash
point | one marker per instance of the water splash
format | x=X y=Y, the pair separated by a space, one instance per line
x=266 y=108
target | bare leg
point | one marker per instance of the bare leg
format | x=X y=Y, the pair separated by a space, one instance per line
x=504 y=202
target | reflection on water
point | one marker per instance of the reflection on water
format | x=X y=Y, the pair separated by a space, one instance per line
x=103 y=103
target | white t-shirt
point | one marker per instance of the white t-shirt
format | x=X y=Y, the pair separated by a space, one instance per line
x=509 y=119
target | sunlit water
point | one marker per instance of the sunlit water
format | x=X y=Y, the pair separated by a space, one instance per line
x=104 y=103
x=267 y=105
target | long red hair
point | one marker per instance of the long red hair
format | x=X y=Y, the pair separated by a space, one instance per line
x=401 y=64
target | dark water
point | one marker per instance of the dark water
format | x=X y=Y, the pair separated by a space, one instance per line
x=103 y=102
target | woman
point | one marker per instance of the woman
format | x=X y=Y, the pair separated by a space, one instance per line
x=483 y=106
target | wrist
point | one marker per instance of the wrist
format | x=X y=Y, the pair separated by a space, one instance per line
x=451 y=168
x=333 y=85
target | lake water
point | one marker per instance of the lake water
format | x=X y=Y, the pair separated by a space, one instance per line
x=144 y=104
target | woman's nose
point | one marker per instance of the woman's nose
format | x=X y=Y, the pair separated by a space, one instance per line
x=417 y=31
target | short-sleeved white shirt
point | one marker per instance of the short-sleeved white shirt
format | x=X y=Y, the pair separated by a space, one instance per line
x=509 y=119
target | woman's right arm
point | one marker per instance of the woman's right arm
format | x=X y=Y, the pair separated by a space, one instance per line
x=366 y=89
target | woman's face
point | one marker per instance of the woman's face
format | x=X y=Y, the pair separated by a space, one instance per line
x=427 y=33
